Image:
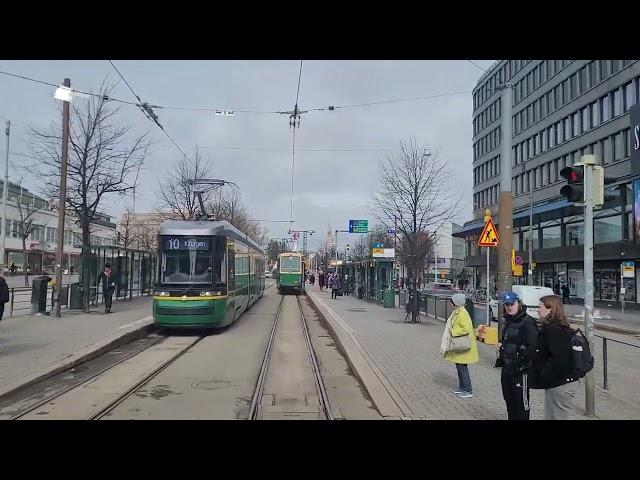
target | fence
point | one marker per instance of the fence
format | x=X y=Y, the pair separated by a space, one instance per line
x=20 y=298
x=605 y=357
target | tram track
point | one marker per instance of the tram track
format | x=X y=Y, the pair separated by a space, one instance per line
x=257 y=402
x=47 y=405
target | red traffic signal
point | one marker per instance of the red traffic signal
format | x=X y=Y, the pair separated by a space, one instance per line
x=574 y=189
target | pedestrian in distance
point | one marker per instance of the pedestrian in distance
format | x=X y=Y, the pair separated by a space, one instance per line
x=565 y=294
x=333 y=281
x=321 y=279
x=516 y=351
x=107 y=277
x=312 y=279
x=459 y=344
x=4 y=295
x=552 y=369
x=13 y=269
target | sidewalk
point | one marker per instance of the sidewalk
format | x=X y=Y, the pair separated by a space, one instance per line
x=406 y=358
x=33 y=344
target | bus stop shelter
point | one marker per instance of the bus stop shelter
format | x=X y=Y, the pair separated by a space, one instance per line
x=135 y=271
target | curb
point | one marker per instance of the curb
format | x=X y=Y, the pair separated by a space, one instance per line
x=607 y=328
x=371 y=378
x=136 y=330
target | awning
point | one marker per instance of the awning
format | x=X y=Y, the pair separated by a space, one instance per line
x=541 y=213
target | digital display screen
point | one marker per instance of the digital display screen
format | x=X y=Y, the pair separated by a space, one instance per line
x=183 y=243
x=636 y=207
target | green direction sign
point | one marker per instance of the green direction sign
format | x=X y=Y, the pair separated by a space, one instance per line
x=358 y=226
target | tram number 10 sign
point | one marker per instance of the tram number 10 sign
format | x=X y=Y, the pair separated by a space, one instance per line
x=358 y=226
x=187 y=244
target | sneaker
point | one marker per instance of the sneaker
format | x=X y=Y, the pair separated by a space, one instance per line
x=458 y=392
x=466 y=395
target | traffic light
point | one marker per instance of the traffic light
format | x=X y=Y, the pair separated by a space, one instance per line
x=348 y=248
x=574 y=189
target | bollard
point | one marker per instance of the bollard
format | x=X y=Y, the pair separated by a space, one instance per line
x=604 y=361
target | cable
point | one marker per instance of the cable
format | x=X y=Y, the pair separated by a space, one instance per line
x=148 y=112
x=481 y=68
x=301 y=149
x=390 y=101
x=299 y=76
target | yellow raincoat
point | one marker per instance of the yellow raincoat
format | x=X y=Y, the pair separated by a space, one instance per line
x=460 y=324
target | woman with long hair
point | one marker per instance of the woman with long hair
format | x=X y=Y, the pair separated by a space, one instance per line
x=552 y=369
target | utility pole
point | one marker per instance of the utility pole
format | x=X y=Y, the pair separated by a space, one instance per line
x=5 y=192
x=435 y=253
x=505 y=213
x=530 y=241
x=62 y=196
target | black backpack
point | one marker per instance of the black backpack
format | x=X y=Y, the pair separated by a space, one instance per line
x=581 y=358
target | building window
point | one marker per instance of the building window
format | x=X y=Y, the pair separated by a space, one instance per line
x=629 y=96
x=607 y=154
x=582 y=77
x=575 y=234
x=615 y=66
x=625 y=141
x=573 y=91
x=607 y=229
x=51 y=234
x=551 y=237
x=593 y=73
x=584 y=124
x=618 y=147
x=605 y=108
x=595 y=117
x=604 y=69
x=565 y=92
x=576 y=124
x=617 y=103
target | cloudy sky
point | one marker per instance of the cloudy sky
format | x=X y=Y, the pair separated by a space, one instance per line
x=336 y=151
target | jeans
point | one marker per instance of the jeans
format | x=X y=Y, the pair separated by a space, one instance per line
x=558 y=401
x=334 y=291
x=108 y=299
x=464 y=380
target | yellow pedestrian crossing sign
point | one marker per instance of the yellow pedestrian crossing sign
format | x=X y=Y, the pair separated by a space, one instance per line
x=489 y=237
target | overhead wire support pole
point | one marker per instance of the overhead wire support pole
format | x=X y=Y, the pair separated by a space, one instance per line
x=5 y=192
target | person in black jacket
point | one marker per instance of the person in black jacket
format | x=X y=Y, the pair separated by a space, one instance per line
x=107 y=277
x=4 y=295
x=552 y=370
x=516 y=351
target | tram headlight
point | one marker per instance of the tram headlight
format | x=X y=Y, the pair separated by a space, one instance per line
x=209 y=294
x=161 y=294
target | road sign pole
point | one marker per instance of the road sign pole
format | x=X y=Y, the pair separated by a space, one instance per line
x=488 y=316
x=590 y=396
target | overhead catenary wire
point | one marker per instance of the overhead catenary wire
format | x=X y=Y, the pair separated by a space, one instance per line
x=293 y=147
x=149 y=113
x=481 y=68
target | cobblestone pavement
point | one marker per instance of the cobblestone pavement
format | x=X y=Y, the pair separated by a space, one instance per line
x=409 y=357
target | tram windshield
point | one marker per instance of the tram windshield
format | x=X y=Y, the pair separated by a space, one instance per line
x=290 y=264
x=193 y=260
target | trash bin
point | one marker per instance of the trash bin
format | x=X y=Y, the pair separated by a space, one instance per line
x=389 y=299
x=76 y=296
x=39 y=294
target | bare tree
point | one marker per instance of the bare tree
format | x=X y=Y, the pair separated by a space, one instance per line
x=27 y=211
x=360 y=248
x=416 y=194
x=126 y=234
x=103 y=159
x=177 y=195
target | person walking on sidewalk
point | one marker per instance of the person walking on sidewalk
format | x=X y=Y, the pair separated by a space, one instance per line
x=459 y=344
x=321 y=280
x=4 y=295
x=13 y=269
x=552 y=369
x=107 y=278
x=565 y=294
x=516 y=351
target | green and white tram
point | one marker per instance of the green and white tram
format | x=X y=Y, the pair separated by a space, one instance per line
x=291 y=269
x=209 y=273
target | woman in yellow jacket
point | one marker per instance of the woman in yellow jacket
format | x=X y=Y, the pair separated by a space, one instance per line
x=459 y=325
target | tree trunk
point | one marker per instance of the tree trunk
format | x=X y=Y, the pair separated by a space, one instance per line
x=26 y=262
x=85 y=258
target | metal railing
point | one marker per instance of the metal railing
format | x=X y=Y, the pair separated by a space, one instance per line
x=605 y=357
x=20 y=298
